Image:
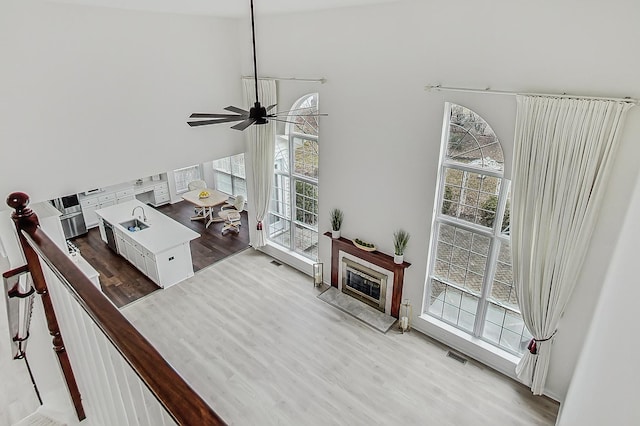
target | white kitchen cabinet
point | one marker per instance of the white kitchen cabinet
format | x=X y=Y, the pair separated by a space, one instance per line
x=160 y=194
x=120 y=243
x=139 y=261
x=151 y=266
x=174 y=264
x=107 y=199
x=129 y=251
x=161 y=250
x=91 y=204
x=125 y=195
x=89 y=207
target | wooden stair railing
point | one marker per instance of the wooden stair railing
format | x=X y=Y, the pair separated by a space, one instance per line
x=180 y=401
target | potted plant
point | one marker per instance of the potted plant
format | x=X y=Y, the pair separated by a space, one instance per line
x=400 y=240
x=336 y=222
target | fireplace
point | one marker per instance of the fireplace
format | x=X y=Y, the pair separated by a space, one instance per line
x=364 y=284
x=376 y=259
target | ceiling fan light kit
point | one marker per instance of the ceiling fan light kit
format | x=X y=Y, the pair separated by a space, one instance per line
x=256 y=114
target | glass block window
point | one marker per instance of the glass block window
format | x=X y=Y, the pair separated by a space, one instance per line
x=470 y=283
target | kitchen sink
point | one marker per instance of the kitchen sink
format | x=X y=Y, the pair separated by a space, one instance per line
x=134 y=225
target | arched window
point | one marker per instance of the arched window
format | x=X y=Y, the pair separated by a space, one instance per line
x=470 y=282
x=293 y=212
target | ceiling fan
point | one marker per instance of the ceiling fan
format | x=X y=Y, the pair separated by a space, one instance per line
x=256 y=114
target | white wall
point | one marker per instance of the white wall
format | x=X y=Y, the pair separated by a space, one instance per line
x=607 y=372
x=100 y=96
x=379 y=146
x=87 y=85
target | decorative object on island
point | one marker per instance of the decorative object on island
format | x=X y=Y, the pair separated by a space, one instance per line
x=318 y=274
x=406 y=312
x=363 y=245
x=400 y=241
x=336 y=222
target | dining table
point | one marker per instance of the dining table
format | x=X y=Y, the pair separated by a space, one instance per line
x=205 y=204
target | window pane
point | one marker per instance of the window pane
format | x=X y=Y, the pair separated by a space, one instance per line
x=222 y=164
x=301 y=115
x=305 y=157
x=453 y=305
x=472 y=141
x=281 y=197
x=306 y=241
x=503 y=290
x=506 y=219
x=223 y=182
x=307 y=203
x=461 y=257
x=279 y=230
x=281 y=160
x=506 y=329
x=239 y=186
x=237 y=166
x=471 y=197
x=185 y=175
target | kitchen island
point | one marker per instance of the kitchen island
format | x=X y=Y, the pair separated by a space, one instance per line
x=155 y=244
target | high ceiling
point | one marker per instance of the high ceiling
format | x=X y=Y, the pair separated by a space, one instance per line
x=225 y=8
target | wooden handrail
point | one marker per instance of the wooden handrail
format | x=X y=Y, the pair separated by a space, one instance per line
x=182 y=403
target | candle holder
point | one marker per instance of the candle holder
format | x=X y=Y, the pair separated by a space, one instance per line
x=317 y=274
x=406 y=312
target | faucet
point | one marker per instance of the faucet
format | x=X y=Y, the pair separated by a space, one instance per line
x=144 y=216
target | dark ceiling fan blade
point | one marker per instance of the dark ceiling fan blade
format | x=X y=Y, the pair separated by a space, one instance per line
x=269 y=108
x=237 y=110
x=244 y=124
x=206 y=115
x=219 y=120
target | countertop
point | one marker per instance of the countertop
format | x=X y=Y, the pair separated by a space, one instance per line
x=162 y=234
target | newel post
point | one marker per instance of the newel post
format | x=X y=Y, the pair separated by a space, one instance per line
x=26 y=220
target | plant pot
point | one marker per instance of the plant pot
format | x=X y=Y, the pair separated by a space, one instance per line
x=398 y=258
x=335 y=234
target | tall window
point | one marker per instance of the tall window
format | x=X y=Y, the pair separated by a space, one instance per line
x=293 y=212
x=184 y=176
x=229 y=175
x=470 y=282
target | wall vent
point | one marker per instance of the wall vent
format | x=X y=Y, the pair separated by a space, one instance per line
x=457 y=357
x=275 y=262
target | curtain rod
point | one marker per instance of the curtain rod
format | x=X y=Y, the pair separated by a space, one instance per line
x=506 y=92
x=315 y=80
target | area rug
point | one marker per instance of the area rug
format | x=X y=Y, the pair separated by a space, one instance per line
x=356 y=308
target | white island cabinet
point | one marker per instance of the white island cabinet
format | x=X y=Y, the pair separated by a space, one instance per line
x=161 y=251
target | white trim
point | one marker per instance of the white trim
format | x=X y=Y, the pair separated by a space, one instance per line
x=291 y=258
x=473 y=347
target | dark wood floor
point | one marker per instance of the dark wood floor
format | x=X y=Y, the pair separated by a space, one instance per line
x=122 y=283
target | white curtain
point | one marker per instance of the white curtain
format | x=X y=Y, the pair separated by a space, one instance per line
x=261 y=140
x=562 y=158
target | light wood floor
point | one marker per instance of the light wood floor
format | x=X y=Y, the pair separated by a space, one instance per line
x=254 y=340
